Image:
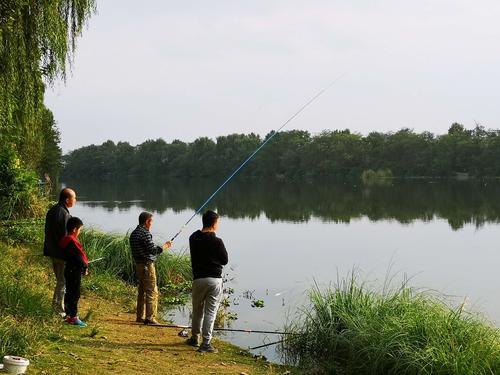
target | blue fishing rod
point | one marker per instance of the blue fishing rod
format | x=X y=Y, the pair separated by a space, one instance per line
x=247 y=160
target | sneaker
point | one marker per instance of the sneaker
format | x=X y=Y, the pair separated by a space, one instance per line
x=207 y=348
x=76 y=322
x=193 y=341
x=151 y=322
x=62 y=315
x=80 y=323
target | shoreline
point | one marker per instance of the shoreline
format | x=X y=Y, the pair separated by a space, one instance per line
x=112 y=342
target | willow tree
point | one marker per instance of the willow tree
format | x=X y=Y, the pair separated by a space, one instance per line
x=37 y=45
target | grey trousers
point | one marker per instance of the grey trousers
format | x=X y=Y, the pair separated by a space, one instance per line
x=60 y=288
x=207 y=293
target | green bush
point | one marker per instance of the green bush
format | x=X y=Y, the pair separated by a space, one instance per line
x=379 y=177
x=19 y=192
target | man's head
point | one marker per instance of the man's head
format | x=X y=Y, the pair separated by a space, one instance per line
x=210 y=220
x=146 y=219
x=74 y=226
x=67 y=197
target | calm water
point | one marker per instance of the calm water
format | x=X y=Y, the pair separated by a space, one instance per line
x=282 y=238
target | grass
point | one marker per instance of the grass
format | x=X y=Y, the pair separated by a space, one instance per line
x=117 y=259
x=112 y=343
x=25 y=312
x=350 y=329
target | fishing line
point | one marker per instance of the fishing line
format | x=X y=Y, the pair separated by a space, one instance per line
x=310 y=101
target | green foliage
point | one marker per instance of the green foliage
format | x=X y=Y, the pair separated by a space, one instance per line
x=37 y=39
x=106 y=285
x=51 y=155
x=24 y=307
x=297 y=154
x=380 y=177
x=19 y=193
x=27 y=231
x=118 y=262
x=352 y=330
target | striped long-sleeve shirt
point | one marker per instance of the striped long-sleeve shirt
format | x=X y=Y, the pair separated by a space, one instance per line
x=142 y=245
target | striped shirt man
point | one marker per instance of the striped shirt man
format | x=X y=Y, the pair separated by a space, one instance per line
x=142 y=245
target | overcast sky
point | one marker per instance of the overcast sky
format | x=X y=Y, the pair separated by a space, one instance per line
x=181 y=70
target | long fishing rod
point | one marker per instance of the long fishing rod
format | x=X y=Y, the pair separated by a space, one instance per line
x=225 y=329
x=310 y=101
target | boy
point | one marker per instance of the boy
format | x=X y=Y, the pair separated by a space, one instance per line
x=76 y=266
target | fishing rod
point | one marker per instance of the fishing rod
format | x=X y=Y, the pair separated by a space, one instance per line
x=225 y=329
x=310 y=101
x=95 y=260
x=266 y=345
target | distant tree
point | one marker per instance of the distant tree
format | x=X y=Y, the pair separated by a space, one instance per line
x=296 y=154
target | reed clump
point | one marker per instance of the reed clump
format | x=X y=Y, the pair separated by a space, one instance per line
x=349 y=329
x=117 y=258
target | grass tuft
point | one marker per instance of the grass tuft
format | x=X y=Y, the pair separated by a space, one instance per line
x=350 y=329
x=117 y=259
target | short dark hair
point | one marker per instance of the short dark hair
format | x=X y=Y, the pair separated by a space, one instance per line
x=73 y=223
x=144 y=216
x=209 y=218
x=65 y=194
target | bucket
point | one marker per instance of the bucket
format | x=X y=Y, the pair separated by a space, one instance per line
x=15 y=365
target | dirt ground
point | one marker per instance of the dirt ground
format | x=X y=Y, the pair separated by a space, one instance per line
x=114 y=344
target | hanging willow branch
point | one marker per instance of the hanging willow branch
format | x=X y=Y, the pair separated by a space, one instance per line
x=37 y=44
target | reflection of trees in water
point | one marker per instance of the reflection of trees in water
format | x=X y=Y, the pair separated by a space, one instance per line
x=459 y=202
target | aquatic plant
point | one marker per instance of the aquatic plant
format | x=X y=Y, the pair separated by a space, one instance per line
x=349 y=329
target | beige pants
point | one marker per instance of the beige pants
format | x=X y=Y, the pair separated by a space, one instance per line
x=147 y=296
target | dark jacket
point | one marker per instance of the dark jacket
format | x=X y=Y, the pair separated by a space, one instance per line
x=142 y=245
x=208 y=254
x=55 y=229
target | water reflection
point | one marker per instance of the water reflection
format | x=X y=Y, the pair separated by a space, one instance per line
x=459 y=202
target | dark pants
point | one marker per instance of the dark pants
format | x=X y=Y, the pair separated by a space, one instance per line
x=73 y=276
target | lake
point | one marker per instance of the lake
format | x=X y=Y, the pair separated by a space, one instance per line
x=284 y=237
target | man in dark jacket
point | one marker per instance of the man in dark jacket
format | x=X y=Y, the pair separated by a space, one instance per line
x=208 y=256
x=145 y=252
x=55 y=229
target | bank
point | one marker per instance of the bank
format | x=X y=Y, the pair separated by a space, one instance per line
x=112 y=343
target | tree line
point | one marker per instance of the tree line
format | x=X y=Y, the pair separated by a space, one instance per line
x=37 y=40
x=298 y=154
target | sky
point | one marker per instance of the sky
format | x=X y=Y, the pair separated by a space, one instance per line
x=183 y=70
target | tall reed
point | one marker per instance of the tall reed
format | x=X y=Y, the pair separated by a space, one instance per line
x=117 y=258
x=350 y=329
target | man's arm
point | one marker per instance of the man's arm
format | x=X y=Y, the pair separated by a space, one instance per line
x=223 y=259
